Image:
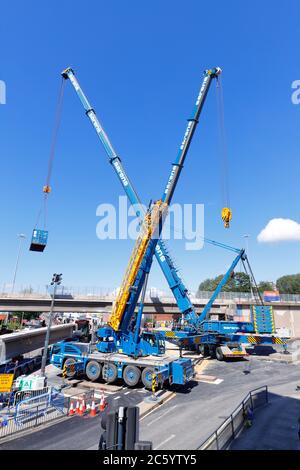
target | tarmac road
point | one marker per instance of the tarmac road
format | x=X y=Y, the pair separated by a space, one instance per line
x=187 y=420
x=76 y=433
x=183 y=422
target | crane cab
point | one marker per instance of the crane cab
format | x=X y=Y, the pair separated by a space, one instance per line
x=152 y=343
x=38 y=240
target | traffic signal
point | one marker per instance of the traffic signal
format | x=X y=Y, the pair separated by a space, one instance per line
x=56 y=279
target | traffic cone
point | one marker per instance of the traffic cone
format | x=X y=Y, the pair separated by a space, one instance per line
x=80 y=410
x=102 y=403
x=88 y=407
x=72 y=411
x=93 y=411
x=83 y=405
x=77 y=407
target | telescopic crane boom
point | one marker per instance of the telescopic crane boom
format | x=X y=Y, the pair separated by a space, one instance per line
x=179 y=290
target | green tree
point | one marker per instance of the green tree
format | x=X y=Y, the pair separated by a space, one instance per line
x=240 y=282
x=265 y=285
x=289 y=284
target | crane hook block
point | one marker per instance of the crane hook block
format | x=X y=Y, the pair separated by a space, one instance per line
x=46 y=189
x=226 y=216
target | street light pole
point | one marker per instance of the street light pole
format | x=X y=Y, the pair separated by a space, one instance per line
x=56 y=280
x=21 y=236
x=247 y=253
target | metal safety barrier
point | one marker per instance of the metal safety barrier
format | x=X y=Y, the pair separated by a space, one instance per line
x=33 y=411
x=234 y=424
x=22 y=395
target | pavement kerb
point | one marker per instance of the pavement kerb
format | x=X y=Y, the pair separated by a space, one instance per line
x=146 y=408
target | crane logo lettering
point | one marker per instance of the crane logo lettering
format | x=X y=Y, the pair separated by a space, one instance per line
x=183 y=222
x=201 y=91
x=160 y=253
x=186 y=134
x=120 y=173
x=170 y=179
x=2 y=92
x=95 y=122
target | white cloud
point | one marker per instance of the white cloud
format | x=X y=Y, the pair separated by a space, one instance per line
x=279 y=230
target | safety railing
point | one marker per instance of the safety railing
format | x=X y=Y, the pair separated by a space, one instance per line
x=33 y=411
x=38 y=415
x=234 y=424
x=110 y=294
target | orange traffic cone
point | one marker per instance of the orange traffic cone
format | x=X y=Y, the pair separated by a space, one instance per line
x=72 y=411
x=93 y=411
x=80 y=410
x=77 y=407
x=102 y=403
x=83 y=405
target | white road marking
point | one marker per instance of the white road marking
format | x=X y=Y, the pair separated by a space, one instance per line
x=218 y=381
x=126 y=393
x=142 y=391
x=99 y=395
x=116 y=398
x=165 y=441
x=163 y=414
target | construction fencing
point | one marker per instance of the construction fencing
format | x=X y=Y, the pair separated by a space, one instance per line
x=38 y=407
x=234 y=424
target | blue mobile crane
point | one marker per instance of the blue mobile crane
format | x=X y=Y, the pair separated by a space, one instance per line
x=194 y=334
x=122 y=337
x=179 y=290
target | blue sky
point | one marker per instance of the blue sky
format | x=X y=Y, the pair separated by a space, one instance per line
x=140 y=64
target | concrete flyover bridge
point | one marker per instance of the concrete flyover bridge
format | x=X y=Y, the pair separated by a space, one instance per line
x=235 y=305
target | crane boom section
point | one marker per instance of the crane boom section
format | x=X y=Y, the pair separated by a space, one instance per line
x=137 y=273
x=187 y=138
x=149 y=230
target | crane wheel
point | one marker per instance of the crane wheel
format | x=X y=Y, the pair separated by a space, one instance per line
x=219 y=354
x=204 y=350
x=69 y=362
x=147 y=377
x=93 y=370
x=131 y=375
x=109 y=373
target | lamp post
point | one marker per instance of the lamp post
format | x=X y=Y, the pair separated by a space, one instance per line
x=21 y=236
x=246 y=236
x=56 y=280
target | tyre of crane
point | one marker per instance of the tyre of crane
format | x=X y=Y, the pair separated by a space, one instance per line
x=109 y=373
x=212 y=352
x=93 y=370
x=219 y=354
x=147 y=377
x=131 y=375
x=71 y=372
x=204 y=350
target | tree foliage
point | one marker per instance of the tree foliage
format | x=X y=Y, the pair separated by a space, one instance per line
x=240 y=282
x=289 y=284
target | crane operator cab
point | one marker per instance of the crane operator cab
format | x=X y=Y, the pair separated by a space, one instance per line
x=153 y=343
